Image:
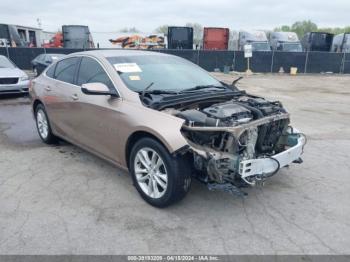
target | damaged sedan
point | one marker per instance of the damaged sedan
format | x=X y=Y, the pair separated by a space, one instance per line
x=164 y=119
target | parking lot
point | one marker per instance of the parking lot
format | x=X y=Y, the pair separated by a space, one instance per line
x=63 y=200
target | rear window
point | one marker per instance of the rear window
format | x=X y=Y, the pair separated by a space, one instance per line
x=65 y=70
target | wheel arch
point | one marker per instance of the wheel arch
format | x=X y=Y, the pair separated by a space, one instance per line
x=136 y=136
x=36 y=102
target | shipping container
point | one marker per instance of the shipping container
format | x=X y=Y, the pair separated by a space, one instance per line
x=77 y=36
x=180 y=37
x=317 y=41
x=215 y=38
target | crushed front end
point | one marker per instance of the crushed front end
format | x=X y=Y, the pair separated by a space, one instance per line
x=239 y=142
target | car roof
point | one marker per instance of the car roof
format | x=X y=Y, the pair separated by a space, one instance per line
x=113 y=53
x=54 y=54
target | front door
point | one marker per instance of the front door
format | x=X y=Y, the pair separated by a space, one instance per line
x=95 y=117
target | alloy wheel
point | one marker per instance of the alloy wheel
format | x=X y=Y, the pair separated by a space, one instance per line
x=42 y=123
x=151 y=173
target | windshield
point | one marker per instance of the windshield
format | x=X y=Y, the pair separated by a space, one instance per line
x=5 y=63
x=167 y=73
x=292 y=47
x=261 y=46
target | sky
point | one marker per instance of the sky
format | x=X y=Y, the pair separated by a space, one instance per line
x=146 y=15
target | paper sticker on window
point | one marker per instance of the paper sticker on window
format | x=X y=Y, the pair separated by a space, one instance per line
x=54 y=58
x=134 y=78
x=127 y=68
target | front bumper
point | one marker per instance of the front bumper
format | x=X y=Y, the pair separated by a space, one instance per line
x=268 y=165
x=21 y=87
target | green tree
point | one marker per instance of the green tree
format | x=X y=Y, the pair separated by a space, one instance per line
x=163 y=29
x=335 y=30
x=129 y=30
x=283 y=28
x=303 y=27
x=197 y=32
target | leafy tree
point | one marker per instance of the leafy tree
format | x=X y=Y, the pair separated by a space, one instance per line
x=163 y=29
x=197 y=32
x=129 y=30
x=335 y=30
x=303 y=27
x=283 y=28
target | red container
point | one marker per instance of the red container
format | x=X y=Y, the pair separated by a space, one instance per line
x=215 y=38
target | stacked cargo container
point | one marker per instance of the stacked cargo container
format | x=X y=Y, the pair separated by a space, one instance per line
x=215 y=38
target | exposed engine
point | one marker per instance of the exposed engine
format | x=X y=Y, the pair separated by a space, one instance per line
x=225 y=133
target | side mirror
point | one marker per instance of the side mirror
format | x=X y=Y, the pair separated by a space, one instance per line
x=96 y=89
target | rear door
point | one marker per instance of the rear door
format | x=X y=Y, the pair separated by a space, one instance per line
x=61 y=95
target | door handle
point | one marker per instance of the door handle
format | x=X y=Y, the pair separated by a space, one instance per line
x=75 y=97
x=48 y=88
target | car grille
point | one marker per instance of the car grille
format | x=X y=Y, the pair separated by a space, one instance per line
x=9 y=81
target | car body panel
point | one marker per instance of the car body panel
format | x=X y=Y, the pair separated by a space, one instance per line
x=104 y=123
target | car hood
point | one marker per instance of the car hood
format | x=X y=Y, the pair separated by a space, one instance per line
x=11 y=72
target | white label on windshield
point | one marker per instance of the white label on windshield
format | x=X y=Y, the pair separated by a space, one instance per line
x=127 y=68
x=134 y=78
x=54 y=58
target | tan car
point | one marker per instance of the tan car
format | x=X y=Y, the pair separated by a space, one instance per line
x=164 y=119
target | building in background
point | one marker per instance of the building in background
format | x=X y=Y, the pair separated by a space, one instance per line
x=21 y=36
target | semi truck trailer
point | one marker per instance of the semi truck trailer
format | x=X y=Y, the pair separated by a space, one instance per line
x=341 y=43
x=257 y=39
x=285 y=41
x=317 y=41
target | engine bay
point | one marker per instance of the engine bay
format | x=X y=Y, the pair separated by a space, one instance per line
x=225 y=133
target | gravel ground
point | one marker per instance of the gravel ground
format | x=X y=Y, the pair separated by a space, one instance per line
x=63 y=200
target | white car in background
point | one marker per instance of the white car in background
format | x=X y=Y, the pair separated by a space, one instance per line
x=12 y=79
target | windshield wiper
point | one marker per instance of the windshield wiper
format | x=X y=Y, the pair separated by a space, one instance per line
x=145 y=90
x=200 y=87
x=155 y=91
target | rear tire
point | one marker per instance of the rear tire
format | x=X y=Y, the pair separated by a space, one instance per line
x=43 y=125
x=160 y=178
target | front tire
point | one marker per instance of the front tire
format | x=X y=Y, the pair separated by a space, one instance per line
x=43 y=125
x=160 y=178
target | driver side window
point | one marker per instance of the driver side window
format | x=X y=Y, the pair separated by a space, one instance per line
x=91 y=71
